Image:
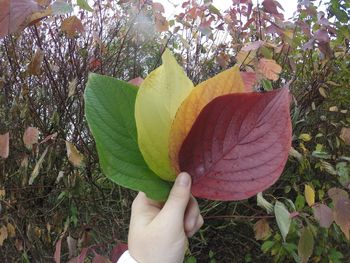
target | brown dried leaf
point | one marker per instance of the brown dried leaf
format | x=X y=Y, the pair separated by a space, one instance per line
x=72 y=246
x=269 y=68
x=345 y=135
x=72 y=85
x=100 y=259
x=223 y=59
x=34 y=67
x=336 y=193
x=71 y=26
x=30 y=137
x=74 y=156
x=262 y=229
x=161 y=23
x=4 y=145
x=3 y=235
x=11 y=231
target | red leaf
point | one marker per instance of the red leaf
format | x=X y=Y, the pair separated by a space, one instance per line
x=136 y=81
x=270 y=6
x=57 y=255
x=13 y=14
x=238 y=145
x=158 y=7
x=30 y=137
x=82 y=256
x=342 y=215
x=323 y=214
x=118 y=251
x=322 y=35
x=249 y=80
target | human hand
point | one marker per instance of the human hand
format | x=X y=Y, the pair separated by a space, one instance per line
x=158 y=232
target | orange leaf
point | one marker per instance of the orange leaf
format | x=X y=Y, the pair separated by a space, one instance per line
x=4 y=145
x=269 y=68
x=71 y=26
x=228 y=81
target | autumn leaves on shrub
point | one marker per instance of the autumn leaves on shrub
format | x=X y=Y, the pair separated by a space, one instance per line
x=234 y=142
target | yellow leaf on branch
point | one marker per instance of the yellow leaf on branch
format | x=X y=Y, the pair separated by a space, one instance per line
x=309 y=195
x=74 y=156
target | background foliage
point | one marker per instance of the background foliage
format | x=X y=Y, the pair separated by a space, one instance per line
x=54 y=200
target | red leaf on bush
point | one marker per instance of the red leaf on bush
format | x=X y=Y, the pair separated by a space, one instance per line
x=342 y=215
x=57 y=255
x=238 y=145
x=249 y=80
x=13 y=14
x=323 y=214
x=270 y=6
x=118 y=251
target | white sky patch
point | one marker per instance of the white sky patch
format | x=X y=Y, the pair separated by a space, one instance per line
x=173 y=7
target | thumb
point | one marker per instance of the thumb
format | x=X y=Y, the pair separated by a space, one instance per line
x=175 y=206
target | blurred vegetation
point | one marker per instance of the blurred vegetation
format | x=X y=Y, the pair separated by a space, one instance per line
x=48 y=197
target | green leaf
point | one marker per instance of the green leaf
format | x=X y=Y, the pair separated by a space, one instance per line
x=306 y=244
x=267 y=245
x=61 y=7
x=283 y=218
x=109 y=109
x=267 y=85
x=84 y=5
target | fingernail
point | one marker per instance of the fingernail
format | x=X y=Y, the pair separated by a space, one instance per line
x=183 y=179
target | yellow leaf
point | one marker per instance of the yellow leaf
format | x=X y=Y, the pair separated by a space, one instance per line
x=269 y=68
x=228 y=81
x=3 y=235
x=2 y=193
x=37 y=167
x=11 y=230
x=305 y=137
x=309 y=195
x=157 y=102
x=74 y=156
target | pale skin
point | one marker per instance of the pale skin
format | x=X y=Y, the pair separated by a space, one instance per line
x=159 y=232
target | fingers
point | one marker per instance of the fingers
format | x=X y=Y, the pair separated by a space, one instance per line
x=175 y=207
x=193 y=219
x=143 y=209
x=198 y=225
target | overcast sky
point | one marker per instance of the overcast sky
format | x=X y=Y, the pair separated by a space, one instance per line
x=289 y=6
